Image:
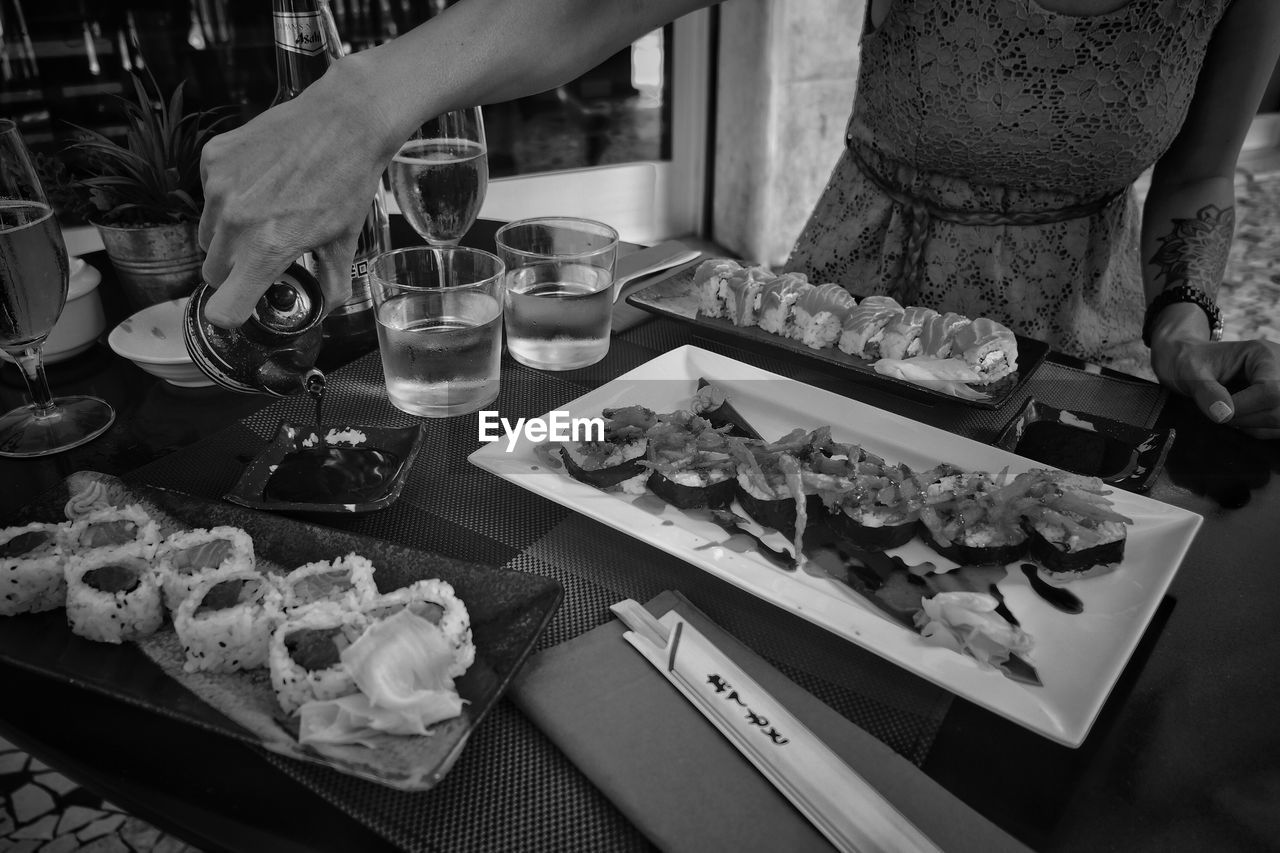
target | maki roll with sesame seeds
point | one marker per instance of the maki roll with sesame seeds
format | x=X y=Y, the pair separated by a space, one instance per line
x=31 y=568
x=616 y=459
x=304 y=657
x=188 y=558
x=689 y=462
x=225 y=623
x=113 y=594
x=346 y=582
x=966 y=518
x=820 y=314
x=711 y=283
x=111 y=527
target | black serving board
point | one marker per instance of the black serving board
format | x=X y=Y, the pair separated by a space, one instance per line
x=674 y=297
x=508 y=611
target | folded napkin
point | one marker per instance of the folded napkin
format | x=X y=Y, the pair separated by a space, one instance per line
x=679 y=781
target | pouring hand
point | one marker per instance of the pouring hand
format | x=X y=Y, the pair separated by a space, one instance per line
x=298 y=178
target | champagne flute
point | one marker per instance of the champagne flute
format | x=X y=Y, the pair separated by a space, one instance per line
x=440 y=174
x=34 y=276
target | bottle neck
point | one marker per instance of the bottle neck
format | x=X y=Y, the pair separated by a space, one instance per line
x=301 y=45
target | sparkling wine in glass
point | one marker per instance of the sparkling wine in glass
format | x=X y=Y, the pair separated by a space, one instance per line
x=34 y=273
x=439 y=176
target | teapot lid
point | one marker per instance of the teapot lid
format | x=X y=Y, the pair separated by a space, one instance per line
x=289 y=306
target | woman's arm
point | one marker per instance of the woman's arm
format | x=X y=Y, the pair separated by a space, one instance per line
x=300 y=177
x=1189 y=219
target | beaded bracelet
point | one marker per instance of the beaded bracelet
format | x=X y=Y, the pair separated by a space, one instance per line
x=1183 y=293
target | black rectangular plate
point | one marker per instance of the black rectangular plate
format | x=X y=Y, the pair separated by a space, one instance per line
x=508 y=611
x=674 y=297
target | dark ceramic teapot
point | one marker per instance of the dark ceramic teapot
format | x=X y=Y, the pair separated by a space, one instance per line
x=275 y=351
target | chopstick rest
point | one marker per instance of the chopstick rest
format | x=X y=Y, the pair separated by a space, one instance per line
x=843 y=806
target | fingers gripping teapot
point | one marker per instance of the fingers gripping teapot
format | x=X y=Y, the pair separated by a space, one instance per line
x=275 y=351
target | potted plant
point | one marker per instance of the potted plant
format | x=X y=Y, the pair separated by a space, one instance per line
x=144 y=196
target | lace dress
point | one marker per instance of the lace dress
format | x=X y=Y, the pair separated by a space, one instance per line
x=991 y=155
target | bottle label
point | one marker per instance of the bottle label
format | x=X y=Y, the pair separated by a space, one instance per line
x=300 y=32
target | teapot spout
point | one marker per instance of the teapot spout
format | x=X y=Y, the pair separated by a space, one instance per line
x=288 y=372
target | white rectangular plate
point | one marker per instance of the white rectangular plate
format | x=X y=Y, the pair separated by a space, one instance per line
x=1078 y=657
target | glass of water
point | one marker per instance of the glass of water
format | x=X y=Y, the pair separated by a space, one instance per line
x=559 y=290
x=439 y=312
x=440 y=175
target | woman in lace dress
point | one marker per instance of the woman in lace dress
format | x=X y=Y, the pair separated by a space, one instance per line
x=991 y=150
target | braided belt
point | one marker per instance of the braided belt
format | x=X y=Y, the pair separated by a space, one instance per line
x=909 y=275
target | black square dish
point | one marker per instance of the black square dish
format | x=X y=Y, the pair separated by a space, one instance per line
x=1121 y=454
x=330 y=469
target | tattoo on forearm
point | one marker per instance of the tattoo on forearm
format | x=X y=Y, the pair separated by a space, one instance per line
x=1195 y=250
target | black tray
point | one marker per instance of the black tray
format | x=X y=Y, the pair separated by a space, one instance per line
x=508 y=611
x=674 y=297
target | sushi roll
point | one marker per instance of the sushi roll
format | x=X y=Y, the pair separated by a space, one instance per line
x=111 y=527
x=764 y=484
x=742 y=294
x=988 y=347
x=881 y=508
x=689 y=462
x=113 y=594
x=820 y=314
x=346 y=582
x=614 y=460
x=863 y=330
x=711 y=283
x=304 y=658
x=939 y=332
x=190 y=557
x=225 y=624
x=1070 y=522
x=31 y=568
x=902 y=336
x=435 y=601
x=965 y=518
x=777 y=302
x=710 y=402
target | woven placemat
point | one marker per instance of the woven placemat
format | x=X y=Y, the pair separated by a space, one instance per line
x=512 y=789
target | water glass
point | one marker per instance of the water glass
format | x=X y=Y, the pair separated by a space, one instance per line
x=439 y=312
x=559 y=290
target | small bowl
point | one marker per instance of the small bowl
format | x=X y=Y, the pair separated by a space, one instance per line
x=1121 y=454
x=152 y=339
x=379 y=480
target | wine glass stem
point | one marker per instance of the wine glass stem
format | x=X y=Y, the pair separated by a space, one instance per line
x=31 y=361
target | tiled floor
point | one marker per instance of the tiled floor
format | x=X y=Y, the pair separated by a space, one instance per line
x=42 y=811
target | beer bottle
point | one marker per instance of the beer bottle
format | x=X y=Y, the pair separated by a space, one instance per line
x=304 y=50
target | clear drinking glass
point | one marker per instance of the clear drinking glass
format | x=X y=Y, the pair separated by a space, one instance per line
x=34 y=276
x=440 y=175
x=439 y=316
x=559 y=291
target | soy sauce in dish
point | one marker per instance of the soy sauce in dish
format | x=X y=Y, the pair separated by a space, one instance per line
x=340 y=475
x=1073 y=449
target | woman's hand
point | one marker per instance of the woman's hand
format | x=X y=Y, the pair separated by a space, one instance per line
x=1205 y=370
x=298 y=178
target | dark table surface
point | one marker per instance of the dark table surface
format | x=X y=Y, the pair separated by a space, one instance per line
x=1185 y=755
